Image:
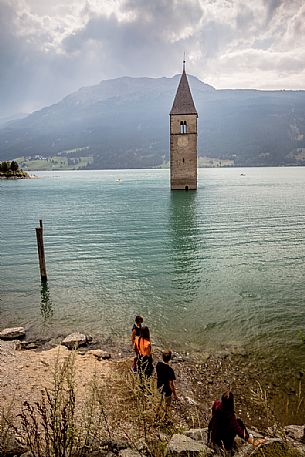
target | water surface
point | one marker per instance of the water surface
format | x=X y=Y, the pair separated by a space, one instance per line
x=220 y=267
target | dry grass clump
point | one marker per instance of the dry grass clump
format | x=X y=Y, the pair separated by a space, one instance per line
x=56 y=425
x=137 y=412
x=123 y=407
x=49 y=425
x=5 y=429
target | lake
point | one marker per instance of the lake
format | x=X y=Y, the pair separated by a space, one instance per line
x=220 y=267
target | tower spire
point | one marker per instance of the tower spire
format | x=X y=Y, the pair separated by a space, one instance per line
x=183 y=102
x=183 y=138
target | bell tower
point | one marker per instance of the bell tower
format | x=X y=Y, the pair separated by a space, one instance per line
x=183 y=138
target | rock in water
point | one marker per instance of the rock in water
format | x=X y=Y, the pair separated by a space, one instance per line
x=12 y=333
x=74 y=340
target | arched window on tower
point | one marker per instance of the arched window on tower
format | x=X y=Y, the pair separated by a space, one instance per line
x=183 y=127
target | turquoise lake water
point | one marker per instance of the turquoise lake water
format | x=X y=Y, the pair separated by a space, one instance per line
x=223 y=266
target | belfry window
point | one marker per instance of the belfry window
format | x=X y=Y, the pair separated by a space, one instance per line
x=183 y=127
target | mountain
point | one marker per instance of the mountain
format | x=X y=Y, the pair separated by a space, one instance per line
x=124 y=123
x=5 y=120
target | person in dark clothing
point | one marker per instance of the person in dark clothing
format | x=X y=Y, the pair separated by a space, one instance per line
x=166 y=378
x=224 y=425
x=136 y=331
x=136 y=328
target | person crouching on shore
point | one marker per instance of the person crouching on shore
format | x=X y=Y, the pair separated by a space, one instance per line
x=224 y=425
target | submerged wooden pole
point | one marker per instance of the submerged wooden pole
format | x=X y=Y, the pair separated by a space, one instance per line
x=41 y=256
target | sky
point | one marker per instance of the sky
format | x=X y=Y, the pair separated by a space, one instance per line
x=50 y=48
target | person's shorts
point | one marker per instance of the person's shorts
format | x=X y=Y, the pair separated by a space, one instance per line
x=167 y=400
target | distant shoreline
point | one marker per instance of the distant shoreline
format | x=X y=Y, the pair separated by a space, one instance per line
x=161 y=167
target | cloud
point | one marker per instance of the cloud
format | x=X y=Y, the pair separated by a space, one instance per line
x=48 y=49
x=150 y=42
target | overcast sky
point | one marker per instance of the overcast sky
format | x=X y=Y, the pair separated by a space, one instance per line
x=49 y=48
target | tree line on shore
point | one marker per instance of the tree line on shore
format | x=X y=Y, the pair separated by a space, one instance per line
x=11 y=169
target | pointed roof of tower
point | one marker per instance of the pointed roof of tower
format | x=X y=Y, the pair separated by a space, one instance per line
x=183 y=103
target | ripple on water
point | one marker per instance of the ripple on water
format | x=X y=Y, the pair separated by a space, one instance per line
x=224 y=263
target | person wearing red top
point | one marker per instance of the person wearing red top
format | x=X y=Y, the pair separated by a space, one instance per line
x=224 y=425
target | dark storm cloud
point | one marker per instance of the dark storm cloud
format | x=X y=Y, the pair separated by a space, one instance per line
x=142 y=45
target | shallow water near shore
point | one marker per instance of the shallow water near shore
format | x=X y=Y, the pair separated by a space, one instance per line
x=217 y=269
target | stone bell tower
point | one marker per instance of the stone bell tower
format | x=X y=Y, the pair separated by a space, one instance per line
x=183 y=138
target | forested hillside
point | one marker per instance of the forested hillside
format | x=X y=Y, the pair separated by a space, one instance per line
x=124 y=123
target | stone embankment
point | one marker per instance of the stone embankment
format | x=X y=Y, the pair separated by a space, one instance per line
x=25 y=369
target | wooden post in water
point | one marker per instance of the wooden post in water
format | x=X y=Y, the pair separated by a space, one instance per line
x=41 y=256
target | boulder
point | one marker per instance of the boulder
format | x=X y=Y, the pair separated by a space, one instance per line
x=74 y=340
x=296 y=432
x=114 y=445
x=129 y=453
x=181 y=445
x=100 y=354
x=198 y=434
x=12 y=333
x=118 y=445
x=26 y=345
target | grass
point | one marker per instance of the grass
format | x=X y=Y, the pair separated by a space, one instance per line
x=49 y=425
x=124 y=408
x=119 y=407
x=6 y=420
x=55 y=426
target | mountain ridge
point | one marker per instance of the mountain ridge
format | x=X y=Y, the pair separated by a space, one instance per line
x=124 y=123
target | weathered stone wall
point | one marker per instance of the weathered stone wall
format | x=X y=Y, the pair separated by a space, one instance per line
x=183 y=152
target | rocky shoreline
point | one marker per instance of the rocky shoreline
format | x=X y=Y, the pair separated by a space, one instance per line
x=12 y=178
x=26 y=367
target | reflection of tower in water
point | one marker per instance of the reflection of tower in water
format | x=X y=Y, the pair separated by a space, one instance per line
x=184 y=244
x=46 y=305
